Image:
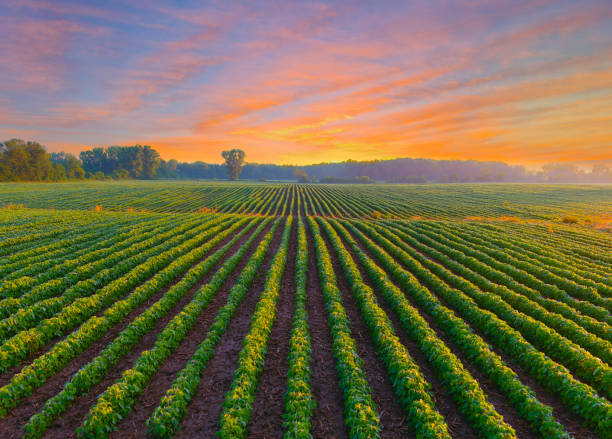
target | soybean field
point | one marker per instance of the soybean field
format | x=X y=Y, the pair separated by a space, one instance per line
x=263 y=310
x=409 y=201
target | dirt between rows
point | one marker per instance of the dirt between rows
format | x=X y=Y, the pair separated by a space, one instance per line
x=294 y=200
x=203 y=413
x=302 y=199
x=267 y=417
x=327 y=418
x=572 y=423
x=5 y=378
x=65 y=425
x=268 y=408
x=134 y=424
x=392 y=416
x=457 y=424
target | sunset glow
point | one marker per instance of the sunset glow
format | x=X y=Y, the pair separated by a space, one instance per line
x=524 y=82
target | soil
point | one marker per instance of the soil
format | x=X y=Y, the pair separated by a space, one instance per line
x=268 y=408
x=134 y=424
x=572 y=422
x=327 y=418
x=74 y=416
x=302 y=205
x=392 y=416
x=458 y=425
x=296 y=210
x=6 y=377
x=203 y=413
x=267 y=417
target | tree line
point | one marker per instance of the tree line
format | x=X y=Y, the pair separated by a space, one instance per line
x=122 y=162
x=29 y=161
x=404 y=170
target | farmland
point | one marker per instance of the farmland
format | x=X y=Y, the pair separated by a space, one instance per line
x=431 y=201
x=213 y=309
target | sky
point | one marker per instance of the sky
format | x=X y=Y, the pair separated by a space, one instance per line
x=525 y=82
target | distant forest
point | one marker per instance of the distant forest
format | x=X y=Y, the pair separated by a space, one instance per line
x=29 y=161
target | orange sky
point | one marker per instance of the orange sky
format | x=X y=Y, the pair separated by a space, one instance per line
x=524 y=82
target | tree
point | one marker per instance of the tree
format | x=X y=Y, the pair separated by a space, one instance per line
x=120 y=174
x=75 y=172
x=57 y=173
x=14 y=160
x=601 y=173
x=93 y=160
x=500 y=176
x=130 y=158
x=150 y=162
x=24 y=161
x=234 y=159
x=72 y=165
x=138 y=160
x=171 y=165
x=300 y=175
x=39 y=164
x=561 y=172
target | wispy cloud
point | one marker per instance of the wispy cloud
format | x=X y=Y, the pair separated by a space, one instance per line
x=519 y=81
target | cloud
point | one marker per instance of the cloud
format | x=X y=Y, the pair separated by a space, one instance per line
x=301 y=82
x=33 y=50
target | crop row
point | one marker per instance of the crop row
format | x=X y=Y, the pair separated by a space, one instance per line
x=586 y=366
x=299 y=401
x=92 y=373
x=405 y=375
x=361 y=414
x=26 y=342
x=473 y=347
x=527 y=265
x=539 y=256
x=34 y=375
x=47 y=255
x=580 y=329
x=91 y=250
x=238 y=403
x=577 y=396
x=118 y=400
x=49 y=298
x=499 y=279
x=72 y=271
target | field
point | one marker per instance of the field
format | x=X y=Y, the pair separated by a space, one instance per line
x=430 y=201
x=262 y=310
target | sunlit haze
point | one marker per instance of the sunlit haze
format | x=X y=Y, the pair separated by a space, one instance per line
x=524 y=82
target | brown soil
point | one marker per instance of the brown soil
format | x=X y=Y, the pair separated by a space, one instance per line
x=458 y=426
x=392 y=416
x=203 y=413
x=133 y=426
x=294 y=197
x=302 y=205
x=6 y=377
x=327 y=418
x=66 y=425
x=268 y=408
x=267 y=417
x=572 y=422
